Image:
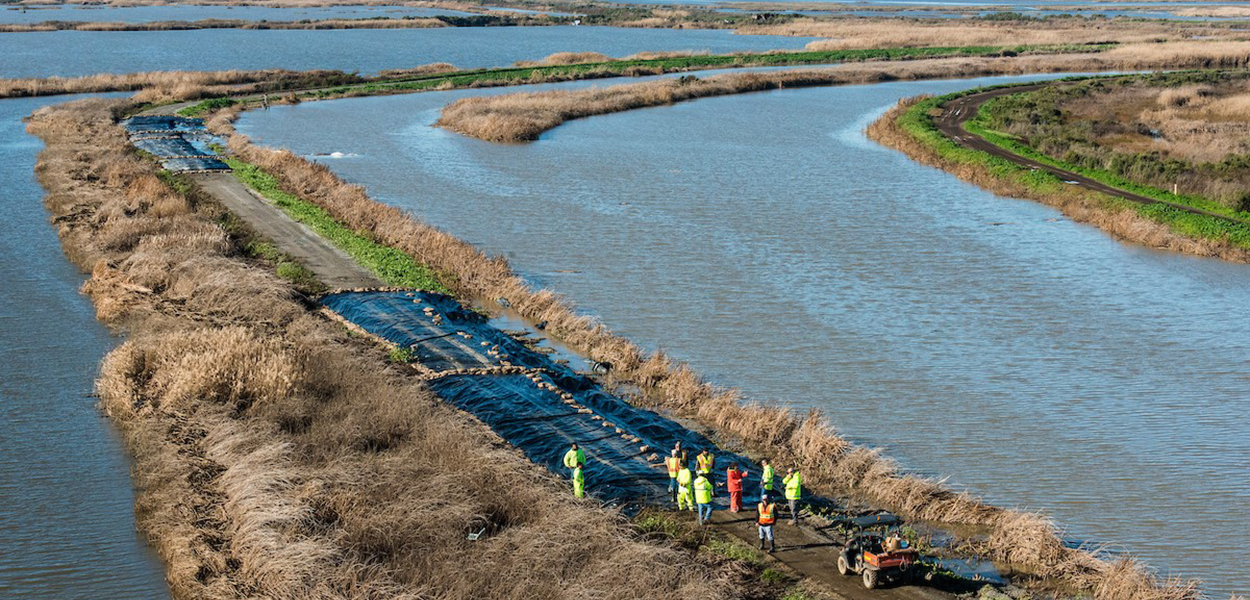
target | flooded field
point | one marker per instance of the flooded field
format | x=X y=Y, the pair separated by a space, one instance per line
x=764 y=239
x=74 y=53
x=65 y=494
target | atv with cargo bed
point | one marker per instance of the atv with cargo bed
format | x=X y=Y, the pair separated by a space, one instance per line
x=876 y=553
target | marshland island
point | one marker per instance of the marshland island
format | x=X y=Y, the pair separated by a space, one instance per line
x=757 y=300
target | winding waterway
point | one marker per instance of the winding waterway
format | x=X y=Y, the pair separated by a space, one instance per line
x=1036 y=361
x=66 y=522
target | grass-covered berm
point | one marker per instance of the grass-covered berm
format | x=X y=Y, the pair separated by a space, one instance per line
x=831 y=465
x=1188 y=130
x=276 y=456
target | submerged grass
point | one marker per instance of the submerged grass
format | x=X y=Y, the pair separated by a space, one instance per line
x=390 y=264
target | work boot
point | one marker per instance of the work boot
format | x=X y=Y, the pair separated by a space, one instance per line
x=761 y=543
x=772 y=547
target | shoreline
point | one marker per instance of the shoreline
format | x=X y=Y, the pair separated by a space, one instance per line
x=911 y=129
x=694 y=397
x=831 y=462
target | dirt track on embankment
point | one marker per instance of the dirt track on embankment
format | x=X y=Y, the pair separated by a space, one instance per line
x=958 y=111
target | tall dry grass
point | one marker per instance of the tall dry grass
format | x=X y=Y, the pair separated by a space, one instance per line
x=273 y=457
x=46 y=26
x=156 y=86
x=830 y=463
x=521 y=117
x=884 y=33
x=565 y=58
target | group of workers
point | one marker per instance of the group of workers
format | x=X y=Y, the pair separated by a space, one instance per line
x=694 y=490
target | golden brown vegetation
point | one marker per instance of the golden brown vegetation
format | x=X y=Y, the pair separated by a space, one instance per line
x=520 y=117
x=160 y=86
x=884 y=33
x=222 y=24
x=565 y=58
x=831 y=464
x=274 y=458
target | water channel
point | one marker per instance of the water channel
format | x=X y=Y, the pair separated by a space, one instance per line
x=66 y=521
x=76 y=53
x=1035 y=361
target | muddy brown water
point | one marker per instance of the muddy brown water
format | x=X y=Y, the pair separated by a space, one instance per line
x=1035 y=361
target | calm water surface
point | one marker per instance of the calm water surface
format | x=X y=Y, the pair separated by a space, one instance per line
x=1037 y=362
x=74 y=53
x=189 y=12
x=66 y=519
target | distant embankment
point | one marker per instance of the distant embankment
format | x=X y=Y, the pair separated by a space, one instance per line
x=523 y=117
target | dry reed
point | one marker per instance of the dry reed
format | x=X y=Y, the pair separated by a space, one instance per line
x=884 y=33
x=830 y=463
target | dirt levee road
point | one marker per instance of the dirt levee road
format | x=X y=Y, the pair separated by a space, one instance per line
x=332 y=266
x=958 y=111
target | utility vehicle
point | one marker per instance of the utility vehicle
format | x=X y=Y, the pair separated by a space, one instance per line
x=866 y=553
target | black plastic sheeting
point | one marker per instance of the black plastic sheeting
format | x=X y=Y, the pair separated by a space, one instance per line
x=182 y=144
x=443 y=335
x=168 y=147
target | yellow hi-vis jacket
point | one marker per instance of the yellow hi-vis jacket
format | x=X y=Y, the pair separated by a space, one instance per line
x=572 y=458
x=674 y=465
x=706 y=462
x=794 y=485
x=702 y=490
x=684 y=477
x=767 y=477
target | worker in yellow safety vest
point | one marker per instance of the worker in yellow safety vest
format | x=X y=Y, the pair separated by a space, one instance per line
x=707 y=462
x=767 y=516
x=703 y=497
x=579 y=482
x=673 y=463
x=794 y=490
x=574 y=457
x=685 y=489
x=766 y=478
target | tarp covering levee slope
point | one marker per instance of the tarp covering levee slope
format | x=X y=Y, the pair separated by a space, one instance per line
x=540 y=411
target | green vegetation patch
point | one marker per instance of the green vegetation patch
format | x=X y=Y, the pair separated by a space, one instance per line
x=391 y=265
x=207 y=106
x=918 y=123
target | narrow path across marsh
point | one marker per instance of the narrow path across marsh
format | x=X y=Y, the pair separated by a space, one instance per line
x=958 y=111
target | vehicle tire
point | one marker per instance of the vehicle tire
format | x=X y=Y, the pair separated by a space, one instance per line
x=870 y=578
x=844 y=568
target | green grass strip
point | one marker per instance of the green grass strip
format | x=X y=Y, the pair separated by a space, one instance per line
x=918 y=123
x=391 y=265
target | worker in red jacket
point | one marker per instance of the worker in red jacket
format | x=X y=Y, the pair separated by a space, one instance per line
x=733 y=482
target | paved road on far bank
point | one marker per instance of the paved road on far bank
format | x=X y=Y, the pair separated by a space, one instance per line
x=958 y=111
